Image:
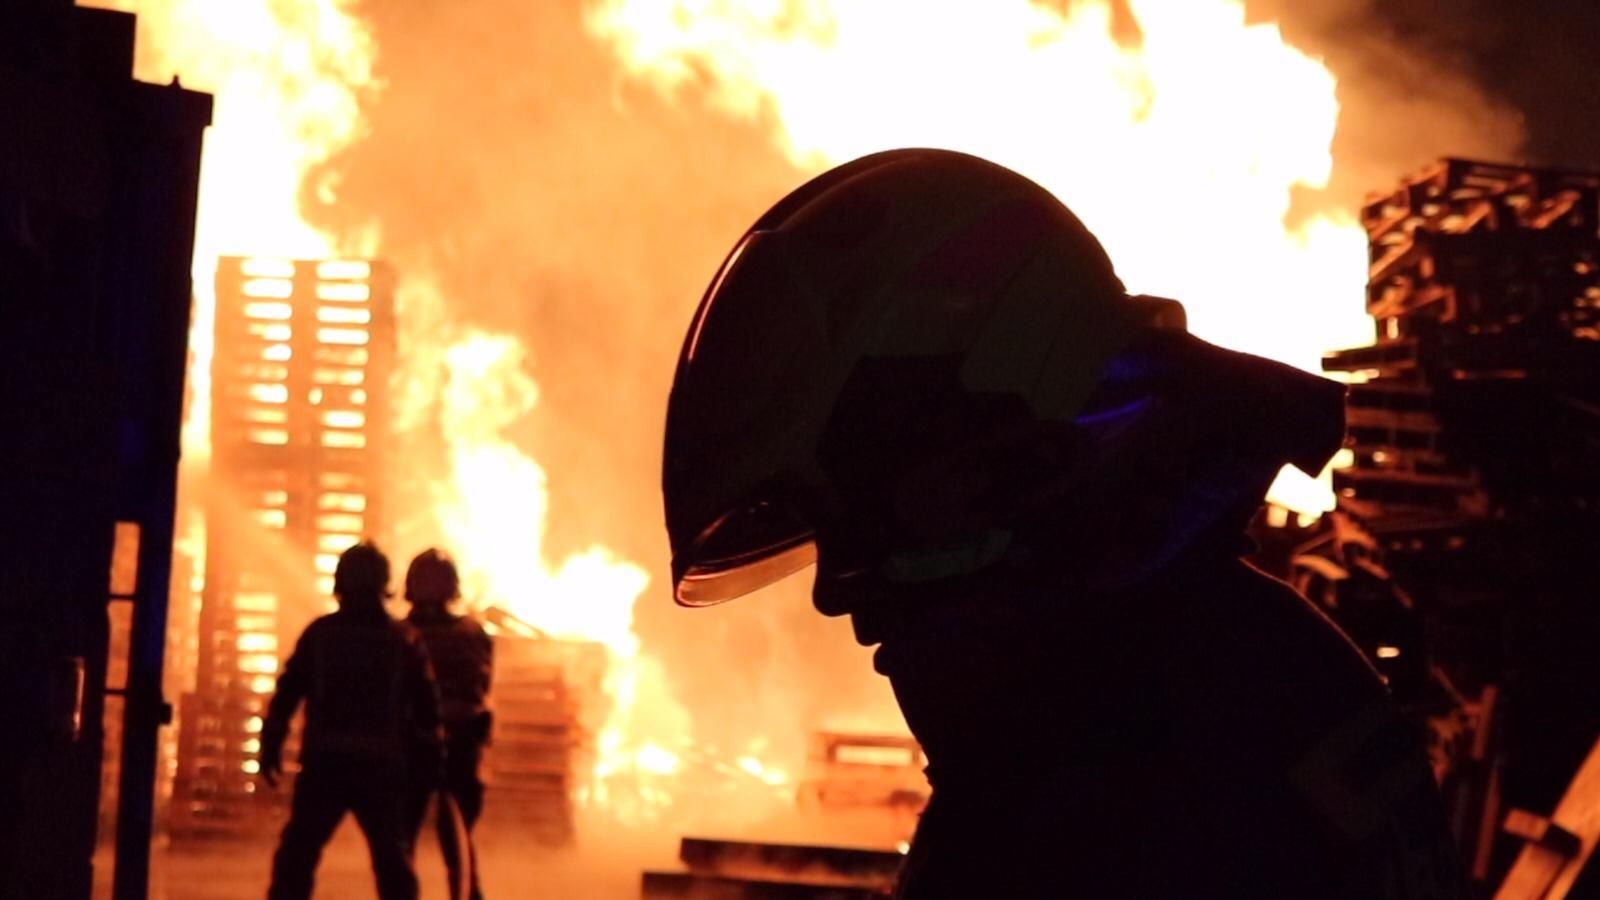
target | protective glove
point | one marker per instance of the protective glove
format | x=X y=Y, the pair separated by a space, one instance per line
x=271 y=762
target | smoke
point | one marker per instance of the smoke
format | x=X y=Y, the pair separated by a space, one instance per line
x=1530 y=61
x=1407 y=95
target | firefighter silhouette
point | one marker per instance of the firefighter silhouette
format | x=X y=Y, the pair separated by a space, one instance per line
x=1029 y=489
x=371 y=721
x=462 y=657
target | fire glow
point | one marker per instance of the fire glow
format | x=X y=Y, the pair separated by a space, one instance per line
x=493 y=511
x=288 y=80
x=1176 y=131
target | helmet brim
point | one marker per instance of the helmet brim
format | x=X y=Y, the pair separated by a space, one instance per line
x=742 y=552
x=904 y=254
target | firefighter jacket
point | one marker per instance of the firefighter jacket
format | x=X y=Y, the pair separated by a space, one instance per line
x=368 y=691
x=463 y=660
x=1208 y=734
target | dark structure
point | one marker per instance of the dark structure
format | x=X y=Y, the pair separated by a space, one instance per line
x=98 y=186
x=1468 y=524
x=741 y=870
x=299 y=410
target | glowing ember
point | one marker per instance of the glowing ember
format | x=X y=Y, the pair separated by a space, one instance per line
x=657 y=760
x=1179 y=136
x=756 y=768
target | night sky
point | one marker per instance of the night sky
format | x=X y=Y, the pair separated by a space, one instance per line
x=1540 y=56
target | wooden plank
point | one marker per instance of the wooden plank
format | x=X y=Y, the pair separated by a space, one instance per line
x=1543 y=873
x=866 y=867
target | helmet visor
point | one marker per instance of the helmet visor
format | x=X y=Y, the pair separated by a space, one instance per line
x=744 y=551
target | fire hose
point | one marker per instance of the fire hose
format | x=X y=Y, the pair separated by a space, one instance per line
x=456 y=834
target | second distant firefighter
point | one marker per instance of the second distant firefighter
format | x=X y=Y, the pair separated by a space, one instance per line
x=463 y=658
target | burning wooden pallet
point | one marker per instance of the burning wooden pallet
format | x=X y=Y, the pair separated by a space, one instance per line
x=864 y=770
x=544 y=690
x=299 y=420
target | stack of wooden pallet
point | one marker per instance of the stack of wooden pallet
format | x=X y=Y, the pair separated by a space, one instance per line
x=543 y=688
x=1481 y=397
x=1474 y=495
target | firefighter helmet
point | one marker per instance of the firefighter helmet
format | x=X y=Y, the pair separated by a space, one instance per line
x=919 y=356
x=895 y=260
x=362 y=573
x=432 y=577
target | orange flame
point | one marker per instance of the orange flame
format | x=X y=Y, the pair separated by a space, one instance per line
x=493 y=511
x=493 y=508
x=1176 y=131
x=288 y=79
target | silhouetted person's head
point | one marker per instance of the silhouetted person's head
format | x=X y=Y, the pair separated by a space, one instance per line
x=920 y=366
x=432 y=581
x=361 y=580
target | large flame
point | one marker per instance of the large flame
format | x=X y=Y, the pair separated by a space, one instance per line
x=493 y=507
x=1176 y=131
x=288 y=80
x=492 y=510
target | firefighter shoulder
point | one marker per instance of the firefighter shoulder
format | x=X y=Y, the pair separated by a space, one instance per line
x=364 y=679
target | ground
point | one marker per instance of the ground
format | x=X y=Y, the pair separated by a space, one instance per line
x=512 y=867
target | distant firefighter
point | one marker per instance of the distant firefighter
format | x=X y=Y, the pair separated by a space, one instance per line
x=463 y=662
x=1030 y=490
x=372 y=712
